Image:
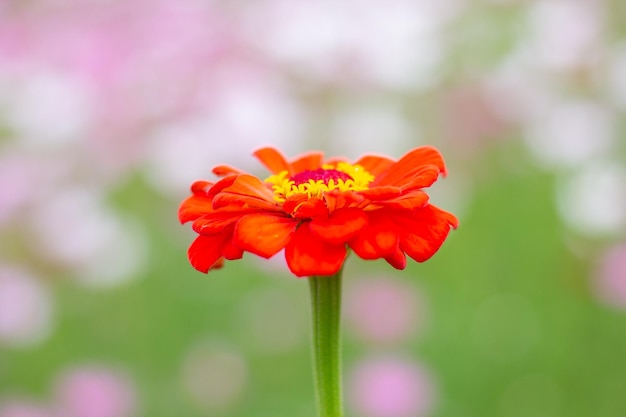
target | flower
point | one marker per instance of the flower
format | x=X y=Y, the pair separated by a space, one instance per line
x=316 y=209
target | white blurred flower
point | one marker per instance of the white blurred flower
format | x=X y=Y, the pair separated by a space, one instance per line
x=77 y=229
x=571 y=133
x=20 y=174
x=566 y=34
x=616 y=77
x=47 y=109
x=26 y=309
x=391 y=44
x=371 y=128
x=593 y=200
x=241 y=119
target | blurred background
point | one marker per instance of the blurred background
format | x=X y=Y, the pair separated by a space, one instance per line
x=109 y=109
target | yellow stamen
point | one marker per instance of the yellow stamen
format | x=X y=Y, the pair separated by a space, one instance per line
x=356 y=179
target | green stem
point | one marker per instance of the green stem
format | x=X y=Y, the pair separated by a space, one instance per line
x=326 y=313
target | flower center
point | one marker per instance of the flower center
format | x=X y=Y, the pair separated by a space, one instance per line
x=341 y=176
x=324 y=175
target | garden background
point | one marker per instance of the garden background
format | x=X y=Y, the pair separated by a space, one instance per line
x=109 y=109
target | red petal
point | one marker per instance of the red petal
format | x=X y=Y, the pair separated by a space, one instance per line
x=273 y=160
x=291 y=204
x=417 y=169
x=206 y=251
x=229 y=201
x=310 y=161
x=378 y=239
x=341 y=226
x=220 y=185
x=194 y=207
x=337 y=199
x=381 y=193
x=201 y=187
x=215 y=222
x=313 y=207
x=397 y=259
x=409 y=201
x=251 y=186
x=224 y=170
x=263 y=234
x=245 y=190
x=423 y=231
x=307 y=255
x=232 y=252
x=375 y=164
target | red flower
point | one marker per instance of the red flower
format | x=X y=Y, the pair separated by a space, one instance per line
x=317 y=209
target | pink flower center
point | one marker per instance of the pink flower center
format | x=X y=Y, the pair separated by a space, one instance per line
x=324 y=175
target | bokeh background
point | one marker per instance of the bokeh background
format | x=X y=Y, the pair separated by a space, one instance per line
x=109 y=109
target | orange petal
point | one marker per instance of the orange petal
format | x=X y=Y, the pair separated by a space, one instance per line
x=341 y=226
x=225 y=170
x=215 y=222
x=313 y=207
x=381 y=193
x=194 y=207
x=397 y=259
x=263 y=234
x=273 y=160
x=307 y=255
x=378 y=239
x=307 y=162
x=251 y=186
x=291 y=204
x=245 y=190
x=205 y=252
x=423 y=231
x=409 y=201
x=337 y=199
x=420 y=162
x=229 y=201
x=375 y=164
x=232 y=252
x=201 y=187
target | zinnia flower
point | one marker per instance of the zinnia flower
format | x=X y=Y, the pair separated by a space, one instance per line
x=316 y=210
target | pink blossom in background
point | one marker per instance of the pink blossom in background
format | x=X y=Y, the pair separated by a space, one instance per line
x=95 y=391
x=130 y=65
x=20 y=408
x=390 y=387
x=472 y=118
x=383 y=310
x=26 y=309
x=609 y=282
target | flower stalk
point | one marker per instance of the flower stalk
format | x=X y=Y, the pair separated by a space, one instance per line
x=326 y=315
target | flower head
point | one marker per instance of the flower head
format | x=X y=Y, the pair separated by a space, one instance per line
x=317 y=209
